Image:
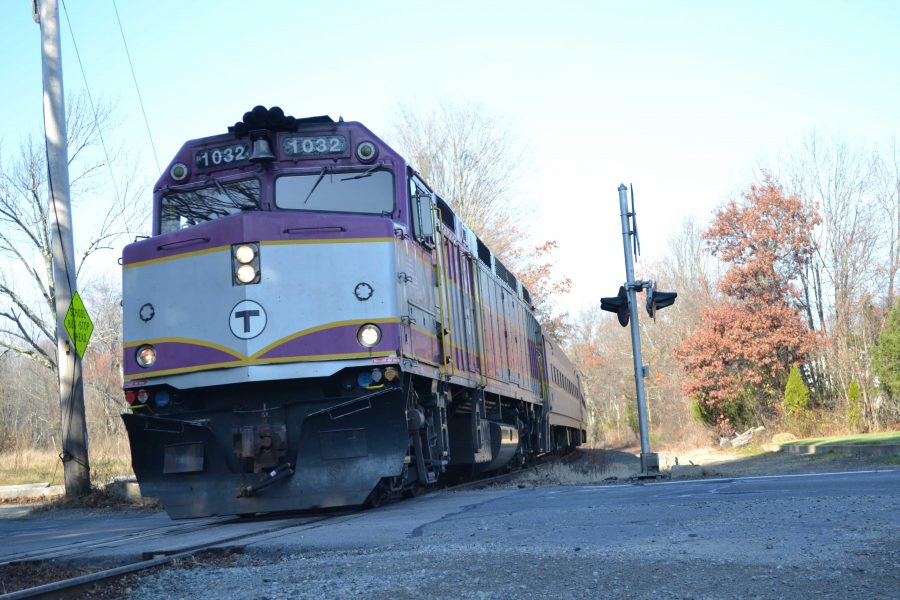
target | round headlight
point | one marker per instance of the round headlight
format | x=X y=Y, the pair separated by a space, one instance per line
x=244 y=254
x=366 y=151
x=145 y=356
x=368 y=335
x=246 y=273
x=178 y=171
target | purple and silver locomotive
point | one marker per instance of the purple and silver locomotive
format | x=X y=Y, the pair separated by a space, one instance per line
x=311 y=326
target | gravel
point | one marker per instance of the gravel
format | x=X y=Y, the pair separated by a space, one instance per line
x=577 y=541
x=557 y=533
x=493 y=570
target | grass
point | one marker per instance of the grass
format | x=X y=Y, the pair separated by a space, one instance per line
x=563 y=474
x=30 y=466
x=43 y=466
x=864 y=439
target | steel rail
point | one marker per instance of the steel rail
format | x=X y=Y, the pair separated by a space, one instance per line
x=65 y=550
x=151 y=559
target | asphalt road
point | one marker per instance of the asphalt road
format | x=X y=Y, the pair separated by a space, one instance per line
x=824 y=535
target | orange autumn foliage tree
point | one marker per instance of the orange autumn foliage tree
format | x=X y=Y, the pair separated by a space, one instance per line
x=739 y=359
x=535 y=270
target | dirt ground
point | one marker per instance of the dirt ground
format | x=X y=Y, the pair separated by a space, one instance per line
x=591 y=466
x=737 y=463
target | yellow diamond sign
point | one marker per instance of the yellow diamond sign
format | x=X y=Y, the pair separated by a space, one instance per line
x=79 y=325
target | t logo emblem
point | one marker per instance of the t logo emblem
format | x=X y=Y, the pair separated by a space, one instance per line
x=245 y=315
x=247 y=319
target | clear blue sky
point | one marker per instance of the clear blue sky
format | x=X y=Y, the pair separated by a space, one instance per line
x=684 y=99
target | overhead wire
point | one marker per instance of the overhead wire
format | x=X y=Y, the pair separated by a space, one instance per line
x=136 y=86
x=87 y=88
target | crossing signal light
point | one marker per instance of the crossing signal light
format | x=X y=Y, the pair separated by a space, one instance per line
x=619 y=305
x=657 y=300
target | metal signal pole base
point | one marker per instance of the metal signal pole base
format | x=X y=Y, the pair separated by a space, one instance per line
x=649 y=466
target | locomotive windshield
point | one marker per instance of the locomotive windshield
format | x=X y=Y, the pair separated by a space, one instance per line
x=183 y=209
x=370 y=191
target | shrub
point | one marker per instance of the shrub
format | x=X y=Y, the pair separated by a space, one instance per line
x=796 y=394
x=886 y=356
x=854 y=408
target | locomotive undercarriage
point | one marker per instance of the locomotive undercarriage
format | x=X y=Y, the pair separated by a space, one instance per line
x=261 y=447
x=304 y=444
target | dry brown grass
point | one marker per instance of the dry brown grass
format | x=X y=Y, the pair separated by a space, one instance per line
x=589 y=466
x=109 y=458
x=29 y=465
x=574 y=474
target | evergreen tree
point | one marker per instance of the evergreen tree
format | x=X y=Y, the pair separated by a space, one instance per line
x=796 y=394
x=854 y=407
x=886 y=357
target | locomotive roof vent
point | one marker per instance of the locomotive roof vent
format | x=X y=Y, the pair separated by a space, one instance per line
x=273 y=119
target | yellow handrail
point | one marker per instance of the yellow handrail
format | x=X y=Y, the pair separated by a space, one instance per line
x=479 y=323
x=446 y=332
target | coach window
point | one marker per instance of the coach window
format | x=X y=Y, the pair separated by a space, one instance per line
x=368 y=191
x=179 y=209
x=421 y=201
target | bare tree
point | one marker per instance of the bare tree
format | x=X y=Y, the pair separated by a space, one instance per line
x=103 y=364
x=602 y=350
x=887 y=196
x=27 y=303
x=853 y=190
x=472 y=161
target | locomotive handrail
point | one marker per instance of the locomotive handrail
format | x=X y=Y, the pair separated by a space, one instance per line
x=428 y=312
x=304 y=230
x=182 y=243
x=351 y=401
x=479 y=323
x=446 y=332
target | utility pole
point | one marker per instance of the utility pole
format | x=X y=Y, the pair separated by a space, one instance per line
x=74 y=454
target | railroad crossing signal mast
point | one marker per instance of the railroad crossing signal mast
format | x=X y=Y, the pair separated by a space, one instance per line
x=625 y=306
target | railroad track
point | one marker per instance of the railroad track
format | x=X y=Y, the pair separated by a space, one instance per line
x=71 y=550
x=221 y=537
x=219 y=533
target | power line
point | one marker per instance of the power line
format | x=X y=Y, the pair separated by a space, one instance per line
x=136 y=87
x=87 y=88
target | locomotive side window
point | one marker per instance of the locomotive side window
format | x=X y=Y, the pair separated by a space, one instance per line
x=421 y=200
x=370 y=191
x=185 y=208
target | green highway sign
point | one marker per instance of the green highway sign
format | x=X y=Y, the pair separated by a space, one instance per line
x=79 y=325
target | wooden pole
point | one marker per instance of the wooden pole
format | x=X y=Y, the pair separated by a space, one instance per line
x=76 y=469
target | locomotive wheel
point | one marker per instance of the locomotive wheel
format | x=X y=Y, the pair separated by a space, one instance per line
x=414 y=490
x=377 y=496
